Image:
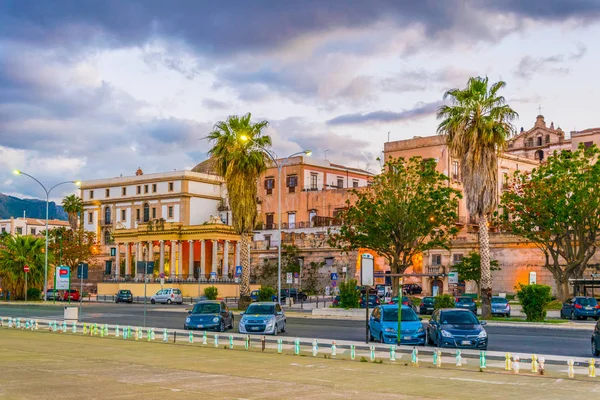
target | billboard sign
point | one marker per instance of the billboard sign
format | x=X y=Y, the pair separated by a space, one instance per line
x=367 y=265
x=63 y=277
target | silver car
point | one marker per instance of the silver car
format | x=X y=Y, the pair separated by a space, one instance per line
x=264 y=317
x=167 y=296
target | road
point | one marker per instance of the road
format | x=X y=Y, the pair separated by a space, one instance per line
x=515 y=339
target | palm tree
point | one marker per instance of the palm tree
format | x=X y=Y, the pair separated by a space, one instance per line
x=476 y=126
x=73 y=206
x=17 y=252
x=239 y=157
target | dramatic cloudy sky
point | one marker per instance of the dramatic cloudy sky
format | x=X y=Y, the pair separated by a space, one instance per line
x=95 y=88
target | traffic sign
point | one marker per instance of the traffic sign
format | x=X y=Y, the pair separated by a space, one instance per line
x=288 y=277
x=296 y=274
x=26 y=268
x=213 y=275
x=238 y=270
x=453 y=278
x=162 y=275
x=82 y=271
x=334 y=283
x=334 y=276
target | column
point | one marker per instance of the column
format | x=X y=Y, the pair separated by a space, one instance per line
x=173 y=260
x=237 y=253
x=118 y=262
x=162 y=257
x=150 y=251
x=180 y=260
x=226 y=259
x=191 y=260
x=127 y=260
x=202 y=259
x=215 y=249
x=138 y=257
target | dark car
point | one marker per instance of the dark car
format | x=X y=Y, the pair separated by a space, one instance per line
x=373 y=301
x=458 y=328
x=466 y=303
x=209 y=315
x=596 y=340
x=580 y=308
x=53 y=294
x=412 y=288
x=294 y=294
x=124 y=296
x=427 y=305
x=500 y=306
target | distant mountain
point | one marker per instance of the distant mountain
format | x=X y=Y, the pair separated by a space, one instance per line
x=11 y=206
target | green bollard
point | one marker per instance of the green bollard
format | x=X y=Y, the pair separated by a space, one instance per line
x=216 y=337
x=352 y=352
x=152 y=335
x=84 y=328
x=333 y=349
x=458 y=359
x=415 y=357
x=230 y=342
x=392 y=353
x=482 y=361
x=191 y=338
x=18 y=323
x=315 y=348
x=116 y=331
x=165 y=335
x=64 y=327
x=106 y=330
x=101 y=332
x=297 y=346
x=74 y=327
x=95 y=329
x=246 y=341
x=279 y=345
x=204 y=340
x=372 y=355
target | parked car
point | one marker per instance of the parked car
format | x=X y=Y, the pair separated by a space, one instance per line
x=263 y=317
x=72 y=294
x=373 y=301
x=53 y=294
x=596 y=340
x=124 y=296
x=427 y=305
x=380 y=290
x=412 y=288
x=167 y=296
x=254 y=296
x=466 y=303
x=293 y=293
x=500 y=306
x=209 y=314
x=383 y=325
x=363 y=289
x=580 y=308
x=455 y=327
x=406 y=301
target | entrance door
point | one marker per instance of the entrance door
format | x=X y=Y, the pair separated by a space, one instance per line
x=270 y=221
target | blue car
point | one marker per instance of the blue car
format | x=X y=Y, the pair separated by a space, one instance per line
x=500 y=306
x=264 y=318
x=467 y=303
x=580 y=308
x=209 y=315
x=457 y=328
x=383 y=325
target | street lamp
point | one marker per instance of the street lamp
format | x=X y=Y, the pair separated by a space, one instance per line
x=280 y=166
x=17 y=172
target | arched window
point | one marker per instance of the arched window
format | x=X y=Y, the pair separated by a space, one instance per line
x=547 y=139
x=146 y=212
x=539 y=155
x=539 y=140
x=107 y=237
x=107 y=215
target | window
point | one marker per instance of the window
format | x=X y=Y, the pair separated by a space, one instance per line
x=19 y=230
x=3 y=230
x=269 y=183
x=91 y=194
x=145 y=188
x=124 y=191
x=539 y=155
x=123 y=215
x=355 y=183
x=588 y=144
x=292 y=220
x=146 y=212
x=539 y=140
x=33 y=231
x=154 y=212
x=529 y=142
x=311 y=215
x=268 y=241
x=291 y=183
x=170 y=212
x=107 y=193
x=455 y=170
x=340 y=183
x=456 y=258
x=139 y=190
x=313 y=181
x=436 y=259
x=137 y=215
x=547 y=139
x=171 y=186
x=270 y=224
x=154 y=188
x=90 y=218
x=107 y=215
x=107 y=237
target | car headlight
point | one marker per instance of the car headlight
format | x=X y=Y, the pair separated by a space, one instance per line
x=446 y=334
x=187 y=320
x=216 y=319
x=390 y=330
x=482 y=335
x=420 y=330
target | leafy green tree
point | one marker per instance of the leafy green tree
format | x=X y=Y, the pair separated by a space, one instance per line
x=476 y=127
x=71 y=247
x=73 y=206
x=239 y=157
x=557 y=208
x=534 y=299
x=349 y=294
x=443 y=301
x=211 y=292
x=266 y=293
x=17 y=252
x=408 y=209
x=469 y=268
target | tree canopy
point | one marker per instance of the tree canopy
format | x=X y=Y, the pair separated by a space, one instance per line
x=70 y=247
x=16 y=252
x=408 y=209
x=557 y=207
x=469 y=268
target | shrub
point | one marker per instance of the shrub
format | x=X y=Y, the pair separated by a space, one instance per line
x=34 y=294
x=211 y=292
x=266 y=293
x=534 y=299
x=349 y=294
x=443 y=301
x=416 y=301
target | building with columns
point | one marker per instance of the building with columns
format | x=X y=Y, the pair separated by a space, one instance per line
x=179 y=220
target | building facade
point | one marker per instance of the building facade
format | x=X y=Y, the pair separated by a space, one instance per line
x=30 y=226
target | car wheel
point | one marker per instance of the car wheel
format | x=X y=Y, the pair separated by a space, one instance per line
x=168 y=301
x=152 y=301
x=222 y=326
x=595 y=350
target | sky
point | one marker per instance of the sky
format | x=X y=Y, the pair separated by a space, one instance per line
x=97 y=88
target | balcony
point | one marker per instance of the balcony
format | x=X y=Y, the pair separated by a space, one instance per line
x=435 y=269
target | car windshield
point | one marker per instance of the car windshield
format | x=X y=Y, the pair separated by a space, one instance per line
x=427 y=299
x=458 y=318
x=465 y=300
x=124 y=292
x=372 y=297
x=587 y=301
x=261 y=309
x=499 y=300
x=391 y=314
x=206 y=308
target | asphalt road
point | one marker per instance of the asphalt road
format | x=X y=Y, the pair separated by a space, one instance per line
x=529 y=340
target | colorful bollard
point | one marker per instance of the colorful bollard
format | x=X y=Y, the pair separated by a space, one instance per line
x=297 y=346
x=352 y=352
x=333 y=349
x=191 y=338
x=85 y=328
x=438 y=362
x=507 y=362
x=64 y=326
x=165 y=336
x=541 y=362
x=315 y=348
x=216 y=339
x=392 y=353
x=246 y=341
x=152 y=334
x=18 y=323
x=591 y=368
x=458 y=359
x=534 y=363
x=36 y=324
x=204 y=341
x=571 y=370
x=482 y=361
x=148 y=334
x=230 y=342
x=515 y=364
x=106 y=330
x=10 y=322
x=414 y=358
x=116 y=331
x=27 y=324
x=372 y=353
x=279 y=346
x=74 y=328
x=95 y=329
x=101 y=332
x=263 y=343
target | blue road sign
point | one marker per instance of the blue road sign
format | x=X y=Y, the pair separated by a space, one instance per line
x=238 y=270
x=213 y=275
x=82 y=271
x=334 y=283
x=334 y=276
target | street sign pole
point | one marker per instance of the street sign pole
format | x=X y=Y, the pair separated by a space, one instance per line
x=400 y=282
x=25 y=285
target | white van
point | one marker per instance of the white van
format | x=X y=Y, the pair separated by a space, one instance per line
x=167 y=296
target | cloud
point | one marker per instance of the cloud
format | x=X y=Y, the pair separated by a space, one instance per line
x=214 y=104
x=530 y=65
x=422 y=79
x=419 y=111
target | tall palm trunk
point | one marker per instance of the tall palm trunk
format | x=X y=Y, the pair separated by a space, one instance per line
x=73 y=219
x=486 y=274
x=245 y=299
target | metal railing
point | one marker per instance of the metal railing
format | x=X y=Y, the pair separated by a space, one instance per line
x=169 y=279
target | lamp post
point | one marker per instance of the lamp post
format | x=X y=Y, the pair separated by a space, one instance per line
x=279 y=170
x=47 y=191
